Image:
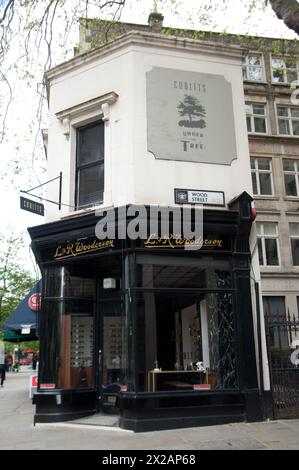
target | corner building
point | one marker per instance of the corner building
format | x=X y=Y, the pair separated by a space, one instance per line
x=140 y=326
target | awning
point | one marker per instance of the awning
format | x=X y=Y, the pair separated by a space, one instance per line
x=21 y=325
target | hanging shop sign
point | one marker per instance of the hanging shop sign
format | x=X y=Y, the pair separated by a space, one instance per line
x=32 y=206
x=81 y=247
x=199 y=196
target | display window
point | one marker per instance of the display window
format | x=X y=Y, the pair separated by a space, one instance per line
x=67 y=328
x=185 y=338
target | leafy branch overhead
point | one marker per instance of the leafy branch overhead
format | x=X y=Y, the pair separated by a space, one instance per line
x=288 y=11
x=36 y=34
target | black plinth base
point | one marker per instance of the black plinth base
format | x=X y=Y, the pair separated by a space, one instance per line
x=63 y=405
x=158 y=411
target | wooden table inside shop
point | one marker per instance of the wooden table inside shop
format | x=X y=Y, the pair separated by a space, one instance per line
x=178 y=384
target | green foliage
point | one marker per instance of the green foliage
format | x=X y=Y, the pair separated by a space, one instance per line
x=15 y=281
x=34 y=345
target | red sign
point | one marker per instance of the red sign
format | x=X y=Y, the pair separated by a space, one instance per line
x=34 y=381
x=34 y=301
x=123 y=388
x=202 y=387
x=47 y=386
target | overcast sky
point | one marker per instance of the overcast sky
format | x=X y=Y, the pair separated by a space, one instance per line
x=232 y=17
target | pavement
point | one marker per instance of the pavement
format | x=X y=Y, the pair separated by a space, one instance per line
x=17 y=430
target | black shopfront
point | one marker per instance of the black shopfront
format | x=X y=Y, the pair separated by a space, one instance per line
x=160 y=335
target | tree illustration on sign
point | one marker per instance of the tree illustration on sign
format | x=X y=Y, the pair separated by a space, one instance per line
x=192 y=108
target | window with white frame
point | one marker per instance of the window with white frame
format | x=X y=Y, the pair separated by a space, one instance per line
x=253 y=67
x=284 y=70
x=261 y=174
x=84 y=125
x=256 y=118
x=291 y=175
x=287 y=120
x=268 y=249
x=294 y=236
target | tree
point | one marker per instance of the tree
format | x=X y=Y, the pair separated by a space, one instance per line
x=15 y=281
x=35 y=34
x=288 y=12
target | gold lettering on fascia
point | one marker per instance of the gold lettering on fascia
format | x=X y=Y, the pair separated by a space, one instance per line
x=177 y=241
x=77 y=248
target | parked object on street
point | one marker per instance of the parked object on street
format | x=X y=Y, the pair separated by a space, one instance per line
x=15 y=367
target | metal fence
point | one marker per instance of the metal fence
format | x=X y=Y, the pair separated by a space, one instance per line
x=283 y=347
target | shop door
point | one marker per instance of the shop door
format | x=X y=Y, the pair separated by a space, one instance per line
x=112 y=353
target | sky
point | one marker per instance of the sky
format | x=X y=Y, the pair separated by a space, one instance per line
x=232 y=17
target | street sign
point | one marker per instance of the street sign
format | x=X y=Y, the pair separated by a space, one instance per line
x=32 y=206
x=199 y=196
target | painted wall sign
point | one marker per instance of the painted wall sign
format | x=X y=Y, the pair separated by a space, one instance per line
x=190 y=116
x=81 y=247
x=32 y=206
x=199 y=196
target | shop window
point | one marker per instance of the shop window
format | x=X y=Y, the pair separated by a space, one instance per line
x=166 y=271
x=284 y=70
x=253 y=67
x=256 y=118
x=114 y=358
x=294 y=237
x=291 y=175
x=185 y=342
x=185 y=339
x=261 y=174
x=287 y=120
x=267 y=233
x=90 y=165
x=67 y=328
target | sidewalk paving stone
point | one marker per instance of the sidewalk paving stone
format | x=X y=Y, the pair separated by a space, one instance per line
x=17 y=430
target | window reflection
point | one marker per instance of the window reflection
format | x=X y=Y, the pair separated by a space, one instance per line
x=186 y=342
x=169 y=272
x=67 y=327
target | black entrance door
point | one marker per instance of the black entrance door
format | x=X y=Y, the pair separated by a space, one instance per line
x=111 y=352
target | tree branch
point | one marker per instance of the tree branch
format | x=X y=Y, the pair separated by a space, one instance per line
x=288 y=11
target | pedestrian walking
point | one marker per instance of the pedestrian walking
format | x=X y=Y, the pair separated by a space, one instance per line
x=34 y=361
x=3 y=369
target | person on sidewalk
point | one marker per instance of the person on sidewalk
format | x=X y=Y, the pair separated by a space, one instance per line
x=3 y=369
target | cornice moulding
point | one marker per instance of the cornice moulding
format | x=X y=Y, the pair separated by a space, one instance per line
x=145 y=39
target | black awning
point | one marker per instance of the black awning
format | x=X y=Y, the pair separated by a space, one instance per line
x=21 y=325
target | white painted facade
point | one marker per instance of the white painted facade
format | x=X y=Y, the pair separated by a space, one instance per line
x=77 y=91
